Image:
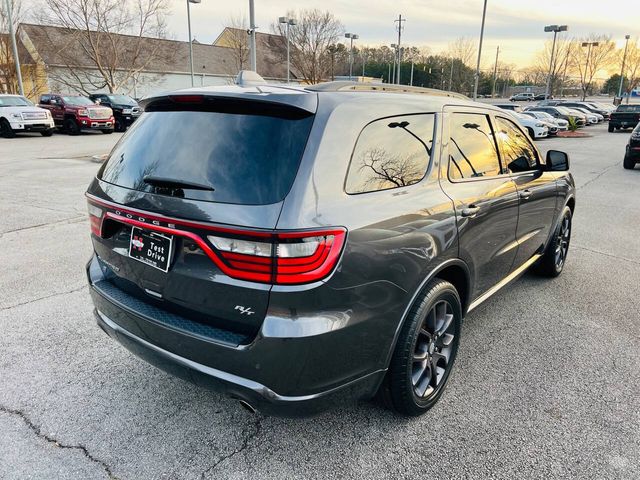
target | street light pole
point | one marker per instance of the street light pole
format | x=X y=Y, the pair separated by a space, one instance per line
x=252 y=36
x=555 y=29
x=451 y=75
x=495 y=72
x=586 y=68
x=290 y=22
x=14 y=47
x=477 y=79
x=624 y=59
x=352 y=37
x=190 y=38
x=399 y=51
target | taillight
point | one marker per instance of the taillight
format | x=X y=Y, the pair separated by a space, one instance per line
x=95 y=218
x=287 y=258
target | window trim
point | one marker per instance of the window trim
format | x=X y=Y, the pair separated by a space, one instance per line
x=539 y=165
x=428 y=170
x=487 y=114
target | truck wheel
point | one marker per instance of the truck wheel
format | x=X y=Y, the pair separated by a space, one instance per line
x=5 y=129
x=425 y=351
x=552 y=262
x=118 y=127
x=628 y=163
x=71 y=127
x=610 y=128
x=47 y=133
x=107 y=132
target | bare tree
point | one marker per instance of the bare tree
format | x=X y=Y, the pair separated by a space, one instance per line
x=8 y=76
x=314 y=33
x=632 y=66
x=106 y=43
x=464 y=49
x=587 y=61
x=237 y=40
x=542 y=61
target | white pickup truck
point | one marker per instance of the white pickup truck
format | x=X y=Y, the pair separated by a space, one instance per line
x=17 y=114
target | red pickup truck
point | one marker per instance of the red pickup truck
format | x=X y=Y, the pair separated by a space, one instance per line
x=74 y=113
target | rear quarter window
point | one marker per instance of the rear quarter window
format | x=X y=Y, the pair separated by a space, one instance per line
x=391 y=153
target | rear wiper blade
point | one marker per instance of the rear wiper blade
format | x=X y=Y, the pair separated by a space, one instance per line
x=164 y=182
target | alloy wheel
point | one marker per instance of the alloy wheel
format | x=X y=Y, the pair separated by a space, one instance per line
x=562 y=242
x=433 y=350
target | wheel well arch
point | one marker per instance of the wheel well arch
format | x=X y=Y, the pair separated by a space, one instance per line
x=571 y=203
x=454 y=271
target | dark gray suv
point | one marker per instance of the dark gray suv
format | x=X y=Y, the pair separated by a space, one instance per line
x=298 y=247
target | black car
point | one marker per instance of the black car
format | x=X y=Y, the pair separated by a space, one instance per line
x=559 y=112
x=301 y=247
x=125 y=109
x=632 y=155
x=587 y=106
x=625 y=116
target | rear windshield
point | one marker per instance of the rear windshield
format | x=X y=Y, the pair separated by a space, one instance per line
x=628 y=108
x=248 y=159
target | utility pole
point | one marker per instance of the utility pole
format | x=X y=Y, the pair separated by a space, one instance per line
x=589 y=45
x=399 y=28
x=624 y=59
x=451 y=75
x=477 y=79
x=389 y=75
x=252 y=36
x=495 y=72
x=555 y=29
x=411 y=78
x=14 y=47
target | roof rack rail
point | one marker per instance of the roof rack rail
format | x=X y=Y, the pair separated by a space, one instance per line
x=344 y=86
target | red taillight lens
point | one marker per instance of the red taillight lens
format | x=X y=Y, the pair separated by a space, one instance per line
x=290 y=258
x=95 y=218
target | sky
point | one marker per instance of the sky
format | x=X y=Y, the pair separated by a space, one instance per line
x=514 y=25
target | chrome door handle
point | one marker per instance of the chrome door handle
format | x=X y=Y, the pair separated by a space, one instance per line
x=525 y=194
x=470 y=211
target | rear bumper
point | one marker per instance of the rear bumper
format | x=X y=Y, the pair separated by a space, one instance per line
x=284 y=376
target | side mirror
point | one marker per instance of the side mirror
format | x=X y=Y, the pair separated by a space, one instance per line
x=557 y=161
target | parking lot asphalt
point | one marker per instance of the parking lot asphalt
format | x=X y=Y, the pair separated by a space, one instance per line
x=546 y=384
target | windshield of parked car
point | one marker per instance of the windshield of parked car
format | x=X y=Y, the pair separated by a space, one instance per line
x=77 y=100
x=11 y=101
x=563 y=110
x=628 y=108
x=247 y=158
x=122 y=100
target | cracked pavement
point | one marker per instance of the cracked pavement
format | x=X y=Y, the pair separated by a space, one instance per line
x=545 y=386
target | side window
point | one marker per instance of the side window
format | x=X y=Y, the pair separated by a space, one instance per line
x=517 y=152
x=45 y=99
x=472 y=147
x=391 y=153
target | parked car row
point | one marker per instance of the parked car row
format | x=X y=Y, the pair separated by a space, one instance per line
x=67 y=113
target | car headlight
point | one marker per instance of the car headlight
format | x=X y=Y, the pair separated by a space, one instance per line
x=127 y=111
x=83 y=112
x=635 y=135
x=539 y=124
x=17 y=115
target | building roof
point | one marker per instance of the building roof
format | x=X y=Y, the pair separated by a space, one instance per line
x=58 y=46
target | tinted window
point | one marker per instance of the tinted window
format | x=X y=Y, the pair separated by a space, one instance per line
x=79 y=101
x=246 y=159
x=472 y=147
x=391 y=153
x=628 y=108
x=517 y=152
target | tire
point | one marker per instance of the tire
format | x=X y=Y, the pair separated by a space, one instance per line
x=47 y=133
x=5 y=129
x=610 y=128
x=119 y=127
x=531 y=133
x=555 y=256
x=71 y=127
x=107 y=132
x=628 y=163
x=421 y=363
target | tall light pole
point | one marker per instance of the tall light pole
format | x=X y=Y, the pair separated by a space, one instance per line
x=399 y=27
x=14 y=47
x=290 y=22
x=395 y=60
x=586 y=68
x=351 y=37
x=477 y=79
x=252 y=36
x=555 y=29
x=451 y=75
x=190 y=38
x=624 y=59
